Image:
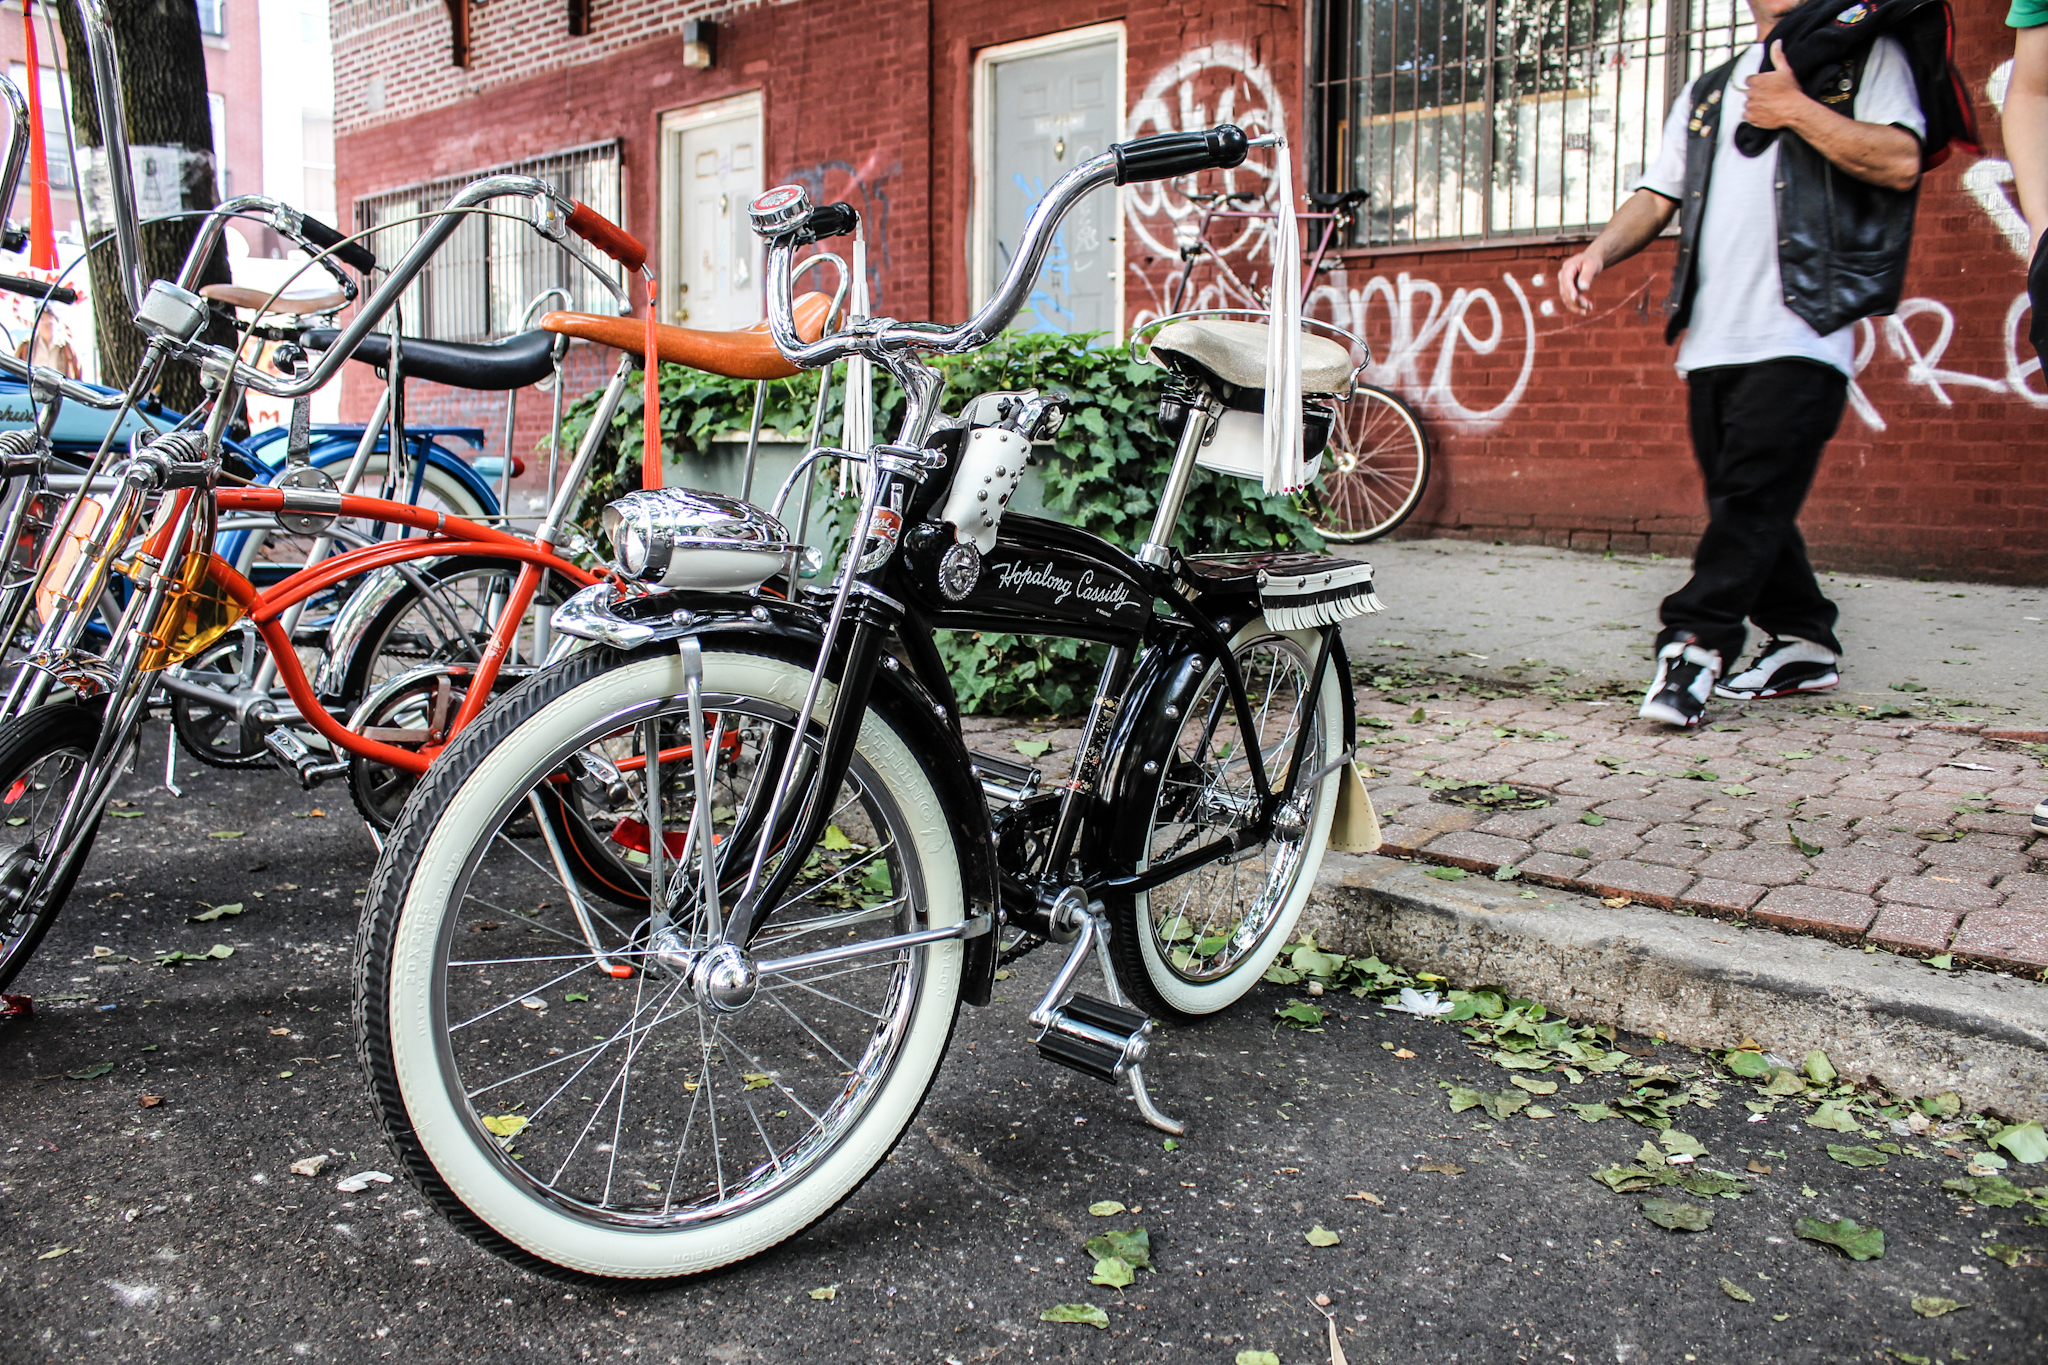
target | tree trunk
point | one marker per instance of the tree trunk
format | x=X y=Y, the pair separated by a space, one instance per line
x=163 y=83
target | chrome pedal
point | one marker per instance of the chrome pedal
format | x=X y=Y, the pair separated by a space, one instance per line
x=309 y=767
x=1004 y=781
x=1096 y=1038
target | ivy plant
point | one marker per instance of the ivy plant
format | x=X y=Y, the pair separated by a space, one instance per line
x=1102 y=473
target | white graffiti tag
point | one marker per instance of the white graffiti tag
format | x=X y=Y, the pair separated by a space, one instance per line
x=1417 y=337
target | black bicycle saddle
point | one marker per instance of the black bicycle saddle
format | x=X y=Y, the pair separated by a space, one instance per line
x=492 y=366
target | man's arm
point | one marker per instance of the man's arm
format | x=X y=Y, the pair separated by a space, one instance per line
x=2026 y=126
x=1875 y=153
x=1634 y=226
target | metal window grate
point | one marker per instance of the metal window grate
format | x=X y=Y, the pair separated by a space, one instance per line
x=1481 y=120
x=479 y=284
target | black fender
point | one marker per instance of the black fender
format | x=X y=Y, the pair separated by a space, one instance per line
x=793 y=632
x=1168 y=675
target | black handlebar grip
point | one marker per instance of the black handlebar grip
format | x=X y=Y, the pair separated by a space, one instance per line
x=38 y=289
x=832 y=220
x=1171 y=154
x=355 y=254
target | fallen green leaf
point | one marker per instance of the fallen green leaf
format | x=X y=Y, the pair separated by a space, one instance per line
x=1133 y=1247
x=835 y=840
x=1783 y=1081
x=827 y=1294
x=1856 y=1156
x=1804 y=848
x=1736 y=1292
x=757 y=1080
x=2005 y=1253
x=1748 y=1065
x=505 y=1125
x=1506 y=874
x=1588 y=818
x=1593 y=1113
x=1300 y=1014
x=1032 y=748
x=1105 y=1208
x=1834 y=1116
x=1418 y=717
x=217 y=912
x=1113 y=1271
x=225 y=834
x=1853 y=1240
x=1083 y=1313
x=1320 y=1236
x=1737 y=789
x=1533 y=1086
x=1447 y=874
x=1630 y=1179
x=219 y=950
x=1681 y=1144
x=1818 y=1068
x=90 y=1073
x=1933 y=1305
x=1711 y=1184
x=1992 y=1191
x=1257 y=1358
x=573 y=997
x=54 y=1252
x=2023 y=1142
x=1680 y=1215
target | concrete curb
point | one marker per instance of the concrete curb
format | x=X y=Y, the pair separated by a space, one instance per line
x=1701 y=982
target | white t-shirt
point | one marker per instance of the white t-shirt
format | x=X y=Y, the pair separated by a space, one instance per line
x=1738 y=311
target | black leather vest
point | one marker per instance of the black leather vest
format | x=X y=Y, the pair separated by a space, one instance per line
x=1842 y=243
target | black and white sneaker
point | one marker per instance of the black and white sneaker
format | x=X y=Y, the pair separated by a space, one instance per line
x=1685 y=679
x=1783 y=667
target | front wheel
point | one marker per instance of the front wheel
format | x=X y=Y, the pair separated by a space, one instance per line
x=637 y=1127
x=1197 y=943
x=44 y=755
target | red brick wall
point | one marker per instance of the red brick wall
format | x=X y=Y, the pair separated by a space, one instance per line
x=1547 y=427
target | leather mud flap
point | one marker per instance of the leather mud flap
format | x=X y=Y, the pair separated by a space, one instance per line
x=1356 y=828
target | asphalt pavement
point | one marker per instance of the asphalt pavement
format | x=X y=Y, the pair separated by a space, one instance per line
x=155 y=1111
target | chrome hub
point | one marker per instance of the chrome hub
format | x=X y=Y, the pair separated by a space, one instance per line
x=724 y=979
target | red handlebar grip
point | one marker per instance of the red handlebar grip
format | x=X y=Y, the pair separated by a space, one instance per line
x=607 y=236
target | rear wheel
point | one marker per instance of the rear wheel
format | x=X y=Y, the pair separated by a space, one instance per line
x=1197 y=943
x=603 y=1127
x=43 y=756
x=1374 y=471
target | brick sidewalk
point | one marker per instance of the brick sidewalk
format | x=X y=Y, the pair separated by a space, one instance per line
x=1908 y=837
x=1920 y=835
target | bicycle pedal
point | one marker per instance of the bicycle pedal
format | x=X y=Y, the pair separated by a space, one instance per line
x=309 y=767
x=1096 y=1038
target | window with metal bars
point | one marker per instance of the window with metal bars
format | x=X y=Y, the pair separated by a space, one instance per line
x=1483 y=120
x=482 y=282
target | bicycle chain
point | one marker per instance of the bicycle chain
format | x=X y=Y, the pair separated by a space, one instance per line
x=1029 y=943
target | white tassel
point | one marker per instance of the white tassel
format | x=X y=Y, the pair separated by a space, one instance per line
x=859 y=432
x=1286 y=464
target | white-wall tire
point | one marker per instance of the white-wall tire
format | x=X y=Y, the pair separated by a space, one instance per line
x=410 y=917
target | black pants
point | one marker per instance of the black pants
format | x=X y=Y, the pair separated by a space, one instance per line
x=2037 y=294
x=1757 y=432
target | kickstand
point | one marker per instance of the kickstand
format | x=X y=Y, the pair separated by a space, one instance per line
x=171 y=761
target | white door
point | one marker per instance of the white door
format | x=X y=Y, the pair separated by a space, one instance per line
x=711 y=170
x=1046 y=106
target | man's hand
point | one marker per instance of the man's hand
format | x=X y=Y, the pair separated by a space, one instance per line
x=1575 y=280
x=1774 y=97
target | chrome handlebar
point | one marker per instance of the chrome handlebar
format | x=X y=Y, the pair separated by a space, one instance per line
x=783 y=215
x=17 y=146
x=106 y=94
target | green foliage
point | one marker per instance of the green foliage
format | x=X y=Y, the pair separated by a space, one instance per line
x=1103 y=473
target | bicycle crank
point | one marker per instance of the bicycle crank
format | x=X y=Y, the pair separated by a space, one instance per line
x=1106 y=1039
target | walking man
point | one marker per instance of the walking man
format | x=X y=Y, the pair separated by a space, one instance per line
x=1795 y=199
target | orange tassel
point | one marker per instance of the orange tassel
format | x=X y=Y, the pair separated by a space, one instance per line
x=42 y=238
x=650 y=442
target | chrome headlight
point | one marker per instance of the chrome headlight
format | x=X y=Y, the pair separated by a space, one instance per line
x=683 y=538
x=631 y=534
